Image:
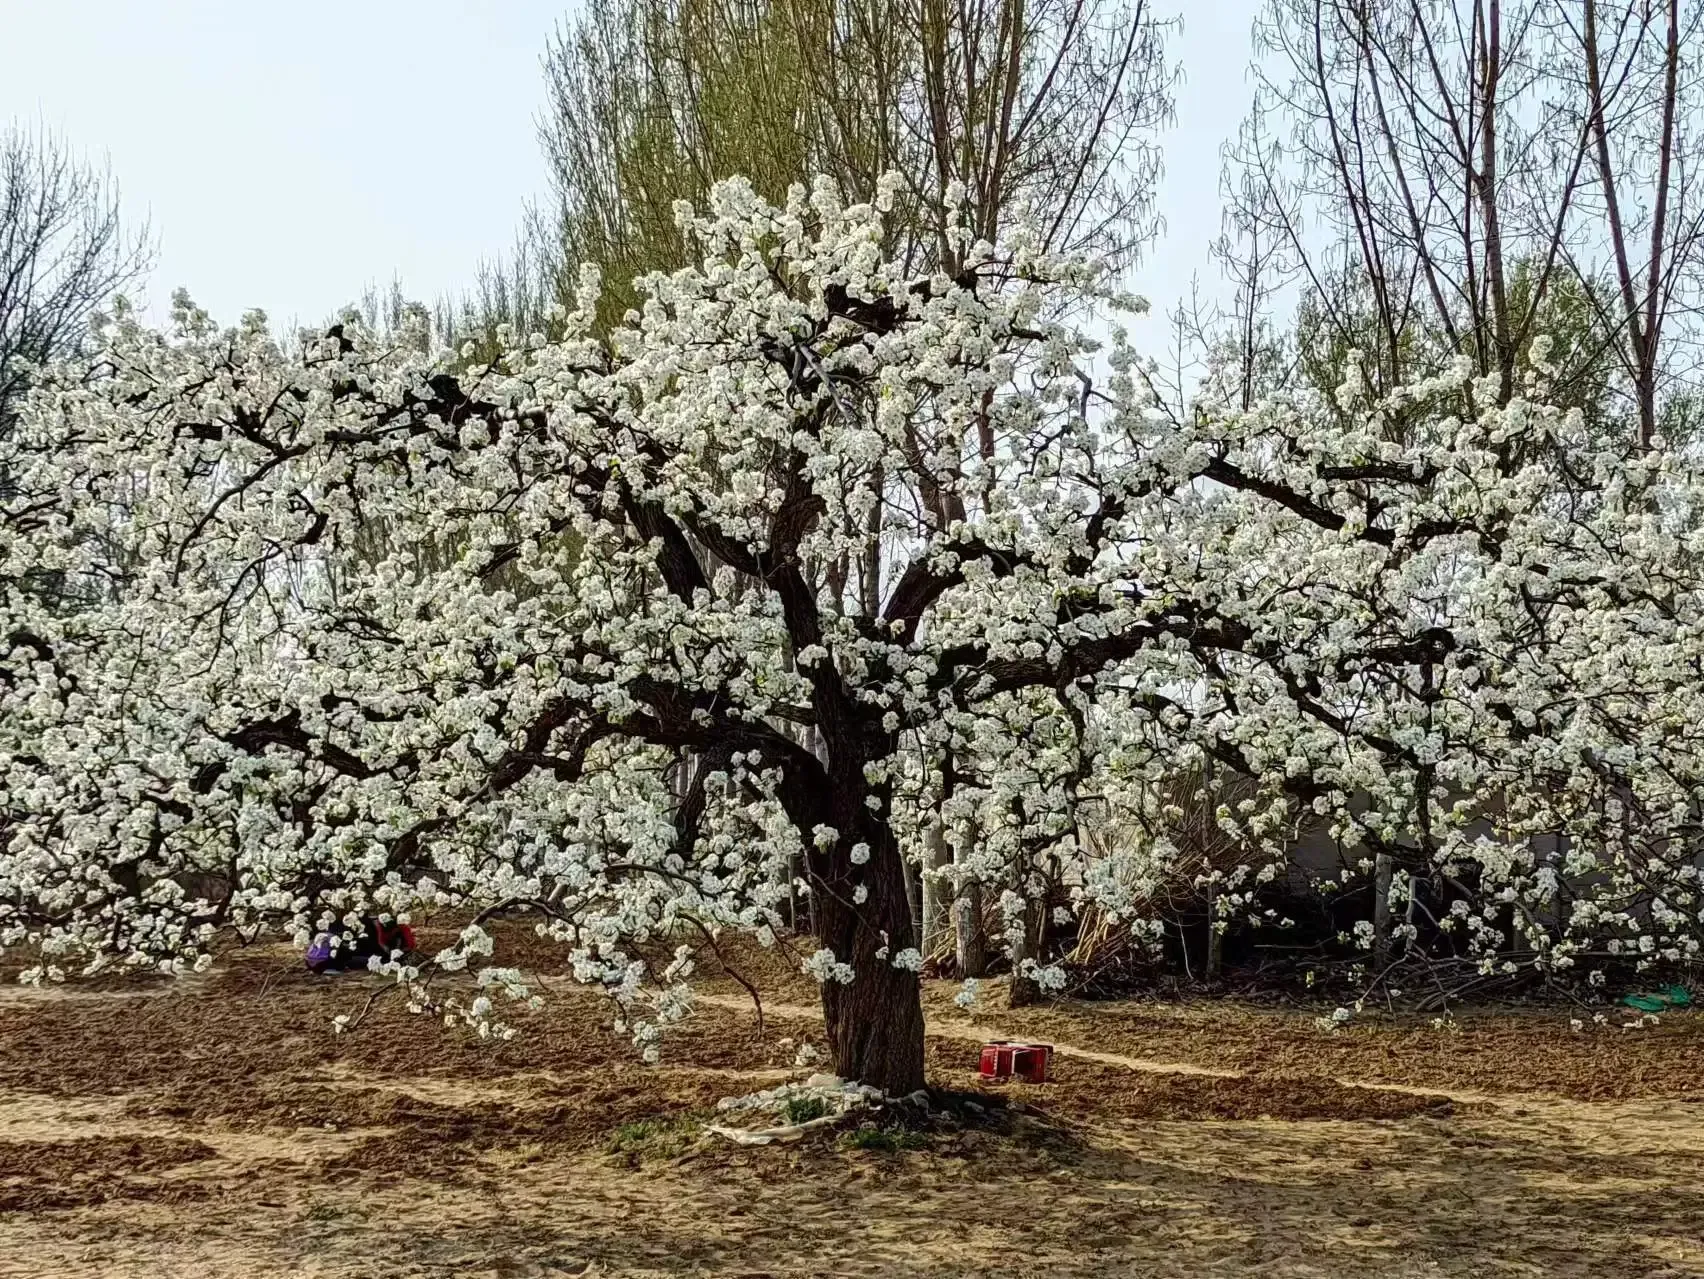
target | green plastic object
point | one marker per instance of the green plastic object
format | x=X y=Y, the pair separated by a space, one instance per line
x=1661 y=1001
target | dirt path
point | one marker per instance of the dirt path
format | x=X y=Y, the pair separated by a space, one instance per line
x=973 y=1032
x=222 y=1129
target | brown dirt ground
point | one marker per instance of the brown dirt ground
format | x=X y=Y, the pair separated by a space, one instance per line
x=216 y=1127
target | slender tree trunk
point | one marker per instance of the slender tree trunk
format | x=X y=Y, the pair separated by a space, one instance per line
x=1026 y=946
x=1215 y=935
x=913 y=894
x=870 y=567
x=970 y=943
x=936 y=903
x=1382 y=869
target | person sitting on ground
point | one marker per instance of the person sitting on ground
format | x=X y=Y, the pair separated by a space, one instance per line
x=341 y=952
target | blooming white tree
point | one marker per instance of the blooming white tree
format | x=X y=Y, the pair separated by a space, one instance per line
x=659 y=624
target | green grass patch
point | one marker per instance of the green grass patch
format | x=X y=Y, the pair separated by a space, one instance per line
x=659 y=1137
x=884 y=1140
x=801 y=1110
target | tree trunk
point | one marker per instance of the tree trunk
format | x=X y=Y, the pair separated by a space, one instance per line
x=1382 y=868
x=1215 y=934
x=875 y=1022
x=970 y=943
x=1026 y=946
x=913 y=894
x=935 y=898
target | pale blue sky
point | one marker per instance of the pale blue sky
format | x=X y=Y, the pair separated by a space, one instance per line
x=287 y=155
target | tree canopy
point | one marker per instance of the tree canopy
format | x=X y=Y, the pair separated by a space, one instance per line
x=1384 y=609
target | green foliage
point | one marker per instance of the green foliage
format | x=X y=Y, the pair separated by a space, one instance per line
x=884 y=1140
x=1049 y=103
x=1573 y=312
x=1338 y=318
x=654 y=100
x=801 y=1110
x=659 y=1137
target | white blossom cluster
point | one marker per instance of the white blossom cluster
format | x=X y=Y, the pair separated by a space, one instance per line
x=664 y=635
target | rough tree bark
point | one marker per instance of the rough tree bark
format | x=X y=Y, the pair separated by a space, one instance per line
x=1024 y=990
x=875 y=1022
x=1382 y=869
x=1215 y=934
x=970 y=945
x=936 y=856
x=913 y=894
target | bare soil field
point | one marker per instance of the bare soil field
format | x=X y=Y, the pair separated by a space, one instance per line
x=217 y=1127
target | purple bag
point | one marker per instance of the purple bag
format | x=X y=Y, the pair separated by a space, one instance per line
x=320 y=953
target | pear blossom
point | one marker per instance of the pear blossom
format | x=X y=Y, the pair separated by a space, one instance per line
x=656 y=635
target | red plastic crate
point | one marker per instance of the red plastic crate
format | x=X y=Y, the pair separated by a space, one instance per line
x=1012 y=1059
